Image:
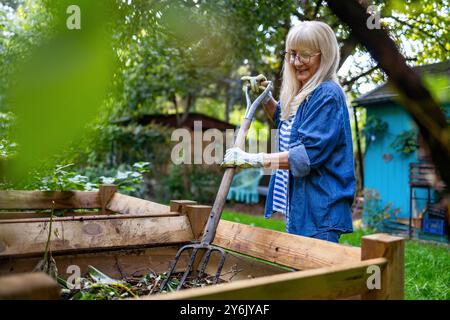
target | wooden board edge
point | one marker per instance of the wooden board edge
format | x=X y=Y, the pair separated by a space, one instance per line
x=323 y=283
x=282 y=248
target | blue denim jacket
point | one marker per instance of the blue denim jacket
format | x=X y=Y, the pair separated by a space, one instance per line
x=322 y=173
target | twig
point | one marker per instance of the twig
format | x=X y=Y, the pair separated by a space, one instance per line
x=47 y=245
x=118 y=267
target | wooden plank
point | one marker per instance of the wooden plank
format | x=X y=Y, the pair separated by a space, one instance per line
x=138 y=262
x=130 y=205
x=392 y=278
x=42 y=215
x=43 y=200
x=28 y=286
x=324 y=283
x=285 y=249
x=30 y=238
x=82 y=217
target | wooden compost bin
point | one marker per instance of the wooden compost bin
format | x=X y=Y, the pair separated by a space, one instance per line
x=123 y=236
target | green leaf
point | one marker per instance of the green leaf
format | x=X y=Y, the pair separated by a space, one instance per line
x=100 y=277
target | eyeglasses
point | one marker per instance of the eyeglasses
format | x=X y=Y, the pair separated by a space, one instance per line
x=304 y=58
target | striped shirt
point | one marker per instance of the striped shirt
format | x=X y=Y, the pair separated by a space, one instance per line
x=281 y=175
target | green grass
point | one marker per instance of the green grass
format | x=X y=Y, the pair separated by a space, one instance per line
x=427 y=271
x=427 y=265
x=256 y=221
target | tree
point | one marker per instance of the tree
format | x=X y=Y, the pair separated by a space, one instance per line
x=250 y=34
x=171 y=54
x=414 y=96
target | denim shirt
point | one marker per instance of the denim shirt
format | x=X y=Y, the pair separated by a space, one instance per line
x=322 y=179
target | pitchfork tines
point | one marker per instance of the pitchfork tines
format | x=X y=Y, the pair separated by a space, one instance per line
x=196 y=247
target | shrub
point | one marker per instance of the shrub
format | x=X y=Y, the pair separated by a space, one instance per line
x=66 y=177
x=375 y=211
x=198 y=183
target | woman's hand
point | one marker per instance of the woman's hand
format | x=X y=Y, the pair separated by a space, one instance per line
x=235 y=157
x=257 y=84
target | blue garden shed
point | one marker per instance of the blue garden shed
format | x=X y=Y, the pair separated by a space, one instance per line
x=391 y=140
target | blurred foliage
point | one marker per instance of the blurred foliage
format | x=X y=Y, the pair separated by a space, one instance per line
x=128 y=178
x=374 y=129
x=7 y=146
x=60 y=83
x=111 y=147
x=64 y=87
x=375 y=211
x=405 y=142
x=171 y=50
x=420 y=31
x=189 y=182
x=361 y=116
x=439 y=85
x=113 y=144
x=423 y=22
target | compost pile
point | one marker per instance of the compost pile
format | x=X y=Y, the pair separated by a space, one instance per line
x=96 y=285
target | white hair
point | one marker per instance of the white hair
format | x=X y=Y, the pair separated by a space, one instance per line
x=313 y=36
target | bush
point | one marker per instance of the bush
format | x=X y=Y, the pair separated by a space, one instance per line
x=198 y=183
x=7 y=146
x=114 y=145
x=129 y=179
x=374 y=211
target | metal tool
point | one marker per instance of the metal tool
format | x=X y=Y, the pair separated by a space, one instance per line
x=216 y=211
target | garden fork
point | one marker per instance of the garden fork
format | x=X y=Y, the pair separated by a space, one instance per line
x=216 y=211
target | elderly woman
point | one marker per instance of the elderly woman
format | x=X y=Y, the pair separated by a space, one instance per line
x=313 y=181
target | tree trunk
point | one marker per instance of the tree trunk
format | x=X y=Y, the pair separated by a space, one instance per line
x=187 y=105
x=347 y=49
x=175 y=105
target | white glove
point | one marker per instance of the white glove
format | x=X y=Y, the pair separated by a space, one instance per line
x=236 y=157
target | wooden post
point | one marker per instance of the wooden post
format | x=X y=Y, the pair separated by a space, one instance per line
x=106 y=192
x=180 y=205
x=392 y=276
x=28 y=286
x=197 y=215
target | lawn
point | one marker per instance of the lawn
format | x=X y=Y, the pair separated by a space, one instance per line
x=427 y=266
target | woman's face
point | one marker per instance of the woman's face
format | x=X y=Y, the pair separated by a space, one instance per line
x=306 y=64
